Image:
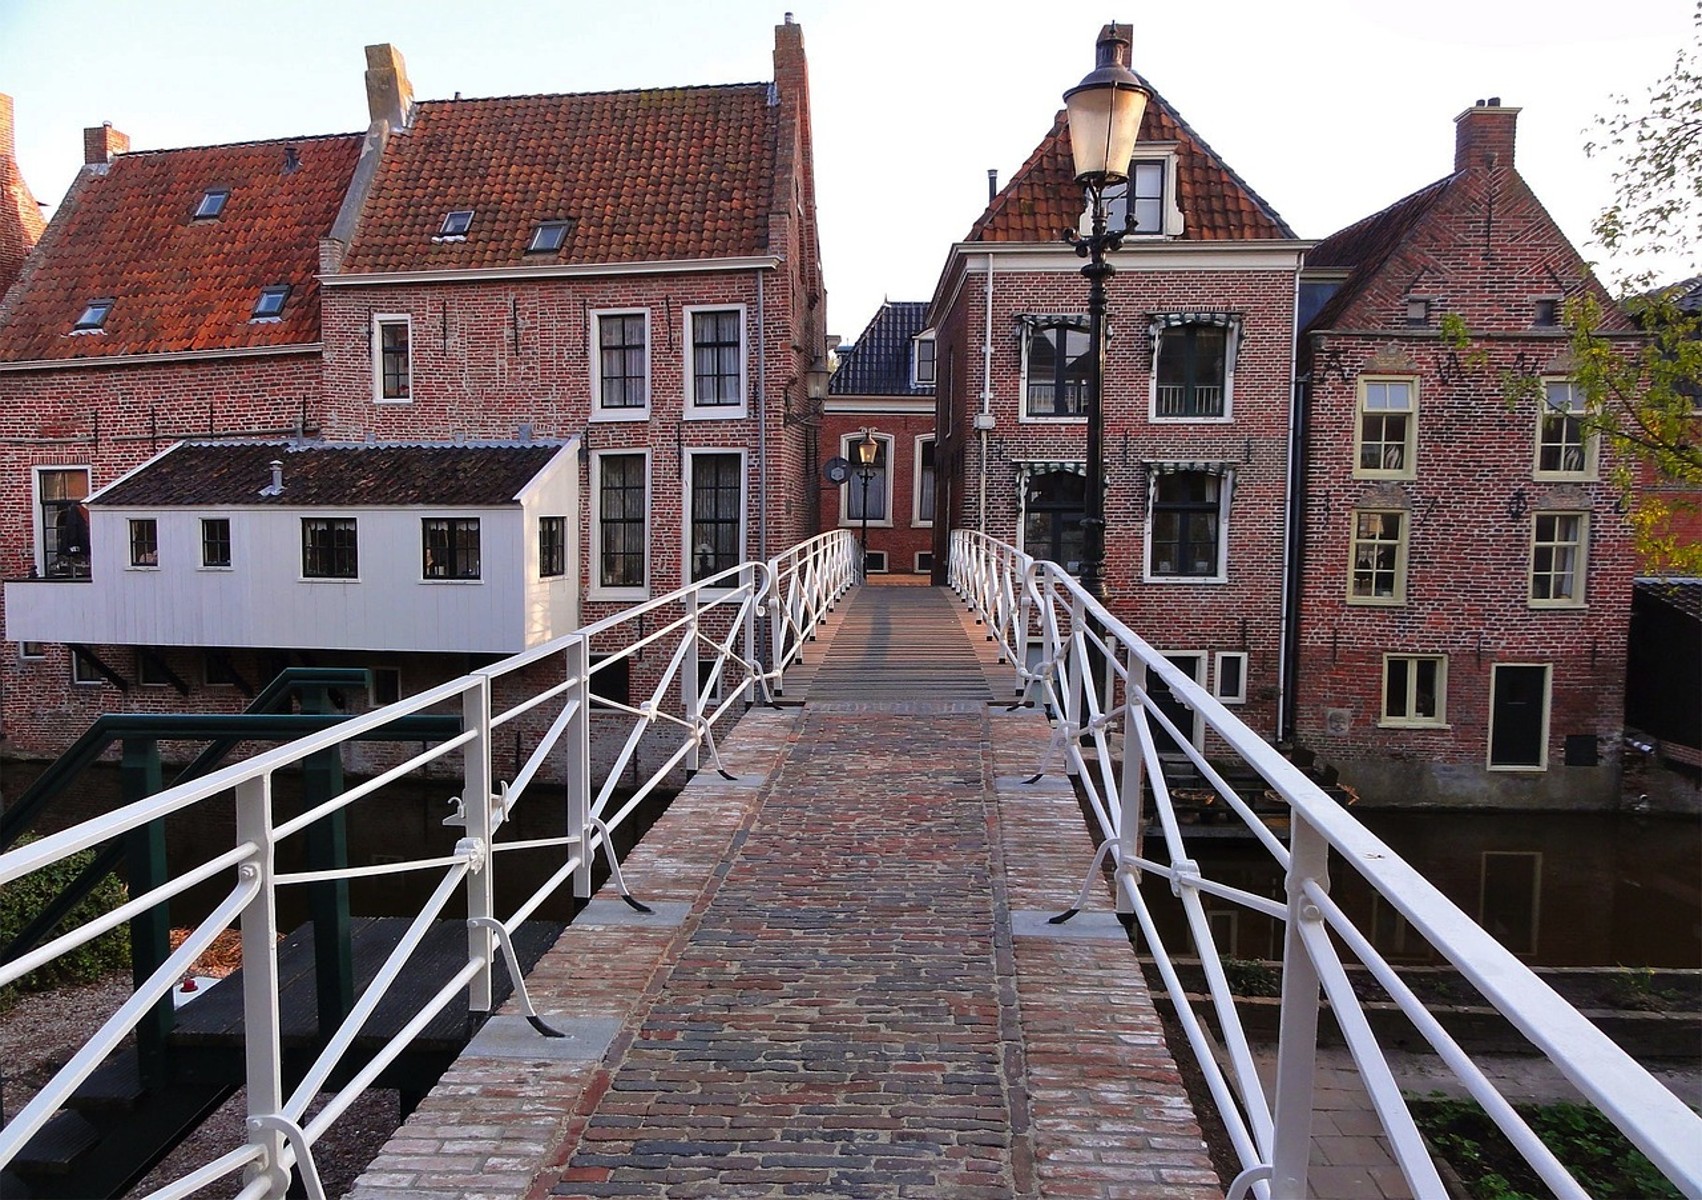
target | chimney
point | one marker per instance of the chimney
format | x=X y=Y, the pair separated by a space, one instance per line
x=388 y=92
x=102 y=142
x=276 y=487
x=8 y=140
x=1483 y=135
x=992 y=184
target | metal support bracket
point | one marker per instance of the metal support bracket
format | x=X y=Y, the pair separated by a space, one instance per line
x=1082 y=897
x=298 y=1142
x=515 y=975
x=615 y=868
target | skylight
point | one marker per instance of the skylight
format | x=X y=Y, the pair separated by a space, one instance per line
x=212 y=203
x=548 y=236
x=456 y=224
x=93 y=316
x=271 y=302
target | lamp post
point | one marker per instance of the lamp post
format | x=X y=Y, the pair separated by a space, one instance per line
x=867 y=448
x=1105 y=111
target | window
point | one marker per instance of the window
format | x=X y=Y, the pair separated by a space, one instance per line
x=552 y=547
x=1186 y=526
x=1415 y=689
x=1418 y=311
x=1054 y=504
x=1558 y=552
x=215 y=541
x=717 y=513
x=144 y=542
x=270 y=305
x=328 y=548
x=455 y=225
x=32 y=650
x=924 y=486
x=218 y=671
x=1139 y=203
x=1566 y=448
x=212 y=203
x=84 y=669
x=621 y=520
x=151 y=669
x=548 y=237
x=391 y=366
x=611 y=680
x=386 y=686
x=63 y=535
x=622 y=364
x=924 y=561
x=1509 y=889
x=1546 y=314
x=1377 y=572
x=1518 y=717
x=922 y=360
x=1231 y=676
x=449 y=547
x=1192 y=371
x=1182 y=714
x=92 y=317
x=1056 y=364
x=868 y=489
x=1387 y=435
x=874 y=562
x=717 y=359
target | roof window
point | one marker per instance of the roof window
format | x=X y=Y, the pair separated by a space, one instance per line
x=212 y=203
x=548 y=236
x=270 y=305
x=455 y=226
x=93 y=316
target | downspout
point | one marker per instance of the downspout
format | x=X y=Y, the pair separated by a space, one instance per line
x=761 y=422
x=1294 y=514
x=985 y=424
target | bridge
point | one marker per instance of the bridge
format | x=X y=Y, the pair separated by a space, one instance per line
x=873 y=947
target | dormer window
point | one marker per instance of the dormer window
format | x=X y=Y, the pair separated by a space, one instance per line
x=455 y=226
x=922 y=360
x=548 y=237
x=93 y=316
x=270 y=305
x=212 y=203
x=1147 y=201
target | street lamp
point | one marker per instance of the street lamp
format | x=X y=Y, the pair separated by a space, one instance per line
x=1105 y=111
x=867 y=448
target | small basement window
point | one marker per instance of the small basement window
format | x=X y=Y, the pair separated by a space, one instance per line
x=270 y=305
x=93 y=316
x=212 y=203
x=549 y=236
x=456 y=224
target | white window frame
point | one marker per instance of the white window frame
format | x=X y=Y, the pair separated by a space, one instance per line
x=870 y=557
x=917 y=379
x=144 y=656
x=712 y=412
x=690 y=455
x=1231 y=353
x=848 y=450
x=1174 y=222
x=918 y=566
x=1547 y=716
x=77 y=677
x=1580 y=569
x=595 y=355
x=1225 y=491
x=379 y=321
x=1409 y=450
x=1440 y=720
x=1403 y=549
x=596 y=590
x=1238 y=696
x=917 y=519
x=1026 y=333
x=32 y=651
x=1591 y=442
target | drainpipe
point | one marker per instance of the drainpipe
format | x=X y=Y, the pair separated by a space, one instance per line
x=986 y=422
x=1294 y=520
x=761 y=422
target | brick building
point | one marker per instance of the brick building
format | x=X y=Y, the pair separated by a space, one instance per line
x=1464 y=568
x=885 y=385
x=1196 y=397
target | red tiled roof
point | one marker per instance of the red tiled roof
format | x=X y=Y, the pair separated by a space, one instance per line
x=180 y=284
x=670 y=173
x=1042 y=199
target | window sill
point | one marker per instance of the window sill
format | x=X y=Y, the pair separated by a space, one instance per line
x=392 y=400
x=451 y=582
x=344 y=579
x=1226 y=419
x=624 y=595
x=1565 y=477
x=856 y=523
x=1386 y=476
x=227 y=570
x=1557 y=605
x=617 y=415
x=1377 y=602
x=1026 y=419
x=1526 y=768
x=143 y=568
x=1172 y=580
x=718 y=412
x=1398 y=724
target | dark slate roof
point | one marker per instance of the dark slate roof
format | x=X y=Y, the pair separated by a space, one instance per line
x=1042 y=199
x=1363 y=247
x=1687 y=295
x=194 y=474
x=1683 y=594
x=179 y=284
x=878 y=364
x=648 y=175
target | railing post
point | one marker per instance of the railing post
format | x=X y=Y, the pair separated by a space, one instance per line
x=748 y=641
x=145 y=869
x=576 y=739
x=1131 y=797
x=260 y=1005
x=328 y=899
x=690 y=686
x=1297 y=1036
x=476 y=807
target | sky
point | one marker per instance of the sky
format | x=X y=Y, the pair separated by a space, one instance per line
x=1329 y=109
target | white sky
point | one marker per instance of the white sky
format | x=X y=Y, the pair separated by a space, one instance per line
x=1330 y=109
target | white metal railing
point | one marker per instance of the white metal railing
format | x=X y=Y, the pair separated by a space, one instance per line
x=1179 y=400
x=1082 y=654
x=707 y=641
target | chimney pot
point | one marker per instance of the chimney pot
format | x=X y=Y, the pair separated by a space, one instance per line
x=1484 y=135
x=992 y=184
x=389 y=95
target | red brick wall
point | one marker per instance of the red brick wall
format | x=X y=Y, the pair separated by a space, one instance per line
x=908 y=533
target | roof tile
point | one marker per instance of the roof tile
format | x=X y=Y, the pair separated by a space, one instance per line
x=879 y=363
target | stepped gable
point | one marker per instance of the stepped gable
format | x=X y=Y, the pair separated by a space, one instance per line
x=127 y=233
x=879 y=363
x=649 y=175
x=1042 y=198
x=353 y=475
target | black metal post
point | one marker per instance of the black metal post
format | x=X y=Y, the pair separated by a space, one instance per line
x=867 y=473
x=1097 y=270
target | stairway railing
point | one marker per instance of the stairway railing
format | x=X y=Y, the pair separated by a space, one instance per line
x=1093 y=673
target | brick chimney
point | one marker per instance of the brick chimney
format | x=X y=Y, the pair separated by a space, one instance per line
x=388 y=92
x=102 y=142
x=1483 y=135
x=21 y=222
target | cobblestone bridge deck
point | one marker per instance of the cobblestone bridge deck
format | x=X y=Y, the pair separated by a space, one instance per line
x=848 y=987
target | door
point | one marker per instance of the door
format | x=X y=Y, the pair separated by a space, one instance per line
x=1518 y=717
x=1185 y=718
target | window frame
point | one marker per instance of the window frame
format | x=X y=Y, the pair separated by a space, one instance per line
x=597 y=589
x=599 y=410
x=457 y=222
x=1231 y=346
x=854 y=481
x=695 y=410
x=1238 y=695
x=148 y=660
x=454 y=569
x=925 y=445
x=142 y=544
x=1171 y=222
x=228 y=540
x=379 y=372
x=1030 y=328
x=1589 y=443
x=1438 y=720
x=1225 y=491
x=32 y=651
x=552 y=550
x=561 y=228
x=279 y=290
x=214 y=197
x=918 y=376
x=1402 y=549
x=39 y=519
x=92 y=678
x=1409 y=444
x=688 y=567
x=332 y=575
x=91 y=318
x=1581 y=564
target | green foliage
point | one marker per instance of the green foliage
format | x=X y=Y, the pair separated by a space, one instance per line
x=1252 y=977
x=1584 y=1141
x=1634 y=988
x=22 y=899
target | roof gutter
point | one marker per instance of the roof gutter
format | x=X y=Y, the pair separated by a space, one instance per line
x=145 y=360
x=665 y=266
